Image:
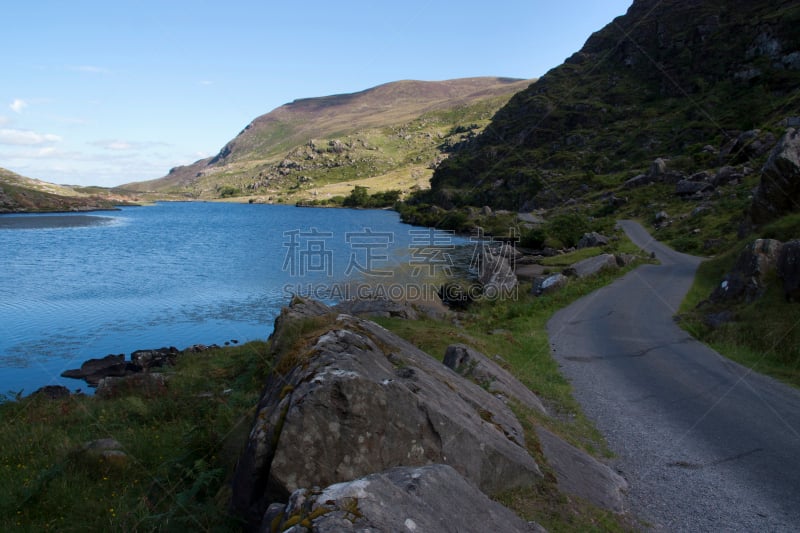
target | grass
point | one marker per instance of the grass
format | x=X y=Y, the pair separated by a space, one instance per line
x=765 y=333
x=516 y=331
x=181 y=447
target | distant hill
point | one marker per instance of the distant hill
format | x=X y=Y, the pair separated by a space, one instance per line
x=393 y=135
x=19 y=194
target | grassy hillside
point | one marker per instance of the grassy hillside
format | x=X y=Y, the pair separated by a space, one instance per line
x=675 y=80
x=20 y=194
x=316 y=148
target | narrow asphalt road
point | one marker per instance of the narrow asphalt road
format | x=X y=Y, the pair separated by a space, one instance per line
x=705 y=444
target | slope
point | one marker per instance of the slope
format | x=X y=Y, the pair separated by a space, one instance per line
x=702 y=85
x=312 y=142
x=20 y=194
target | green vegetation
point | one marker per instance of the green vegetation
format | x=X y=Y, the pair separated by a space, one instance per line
x=763 y=334
x=181 y=445
x=386 y=138
x=516 y=330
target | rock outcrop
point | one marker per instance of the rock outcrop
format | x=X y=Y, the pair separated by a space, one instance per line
x=496 y=273
x=93 y=370
x=350 y=399
x=591 y=239
x=779 y=190
x=428 y=498
x=488 y=374
x=593 y=265
x=789 y=269
x=746 y=279
x=580 y=474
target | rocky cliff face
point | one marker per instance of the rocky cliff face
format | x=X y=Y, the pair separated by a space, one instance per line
x=352 y=407
x=669 y=78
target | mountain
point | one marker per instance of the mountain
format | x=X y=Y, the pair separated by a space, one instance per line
x=390 y=135
x=698 y=84
x=20 y=194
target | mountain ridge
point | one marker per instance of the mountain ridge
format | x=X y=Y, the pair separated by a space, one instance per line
x=268 y=138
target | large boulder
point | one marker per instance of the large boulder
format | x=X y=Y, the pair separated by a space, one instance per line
x=147 y=359
x=427 y=498
x=475 y=366
x=746 y=279
x=496 y=273
x=592 y=239
x=779 y=190
x=593 y=265
x=547 y=284
x=789 y=269
x=580 y=474
x=349 y=398
x=379 y=307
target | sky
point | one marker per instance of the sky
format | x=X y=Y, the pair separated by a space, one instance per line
x=114 y=91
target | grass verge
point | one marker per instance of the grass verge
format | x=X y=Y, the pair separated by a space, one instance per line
x=763 y=334
x=516 y=331
x=180 y=447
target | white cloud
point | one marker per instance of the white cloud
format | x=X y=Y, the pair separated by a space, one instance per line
x=206 y=82
x=120 y=145
x=4 y=120
x=18 y=105
x=26 y=137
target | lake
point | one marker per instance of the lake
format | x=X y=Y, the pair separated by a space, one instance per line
x=79 y=286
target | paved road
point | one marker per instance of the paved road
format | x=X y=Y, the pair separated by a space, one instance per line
x=705 y=444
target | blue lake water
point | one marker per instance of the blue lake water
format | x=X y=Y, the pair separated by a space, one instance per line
x=174 y=274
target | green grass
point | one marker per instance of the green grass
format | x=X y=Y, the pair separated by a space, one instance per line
x=515 y=329
x=181 y=447
x=765 y=334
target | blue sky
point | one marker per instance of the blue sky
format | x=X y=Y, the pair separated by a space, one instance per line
x=109 y=92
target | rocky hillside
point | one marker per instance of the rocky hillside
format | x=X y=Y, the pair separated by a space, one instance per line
x=687 y=97
x=391 y=135
x=19 y=194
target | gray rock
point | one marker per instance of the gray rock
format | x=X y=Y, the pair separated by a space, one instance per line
x=658 y=168
x=580 y=474
x=496 y=274
x=546 y=285
x=726 y=175
x=159 y=357
x=433 y=498
x=624 y=259
x=589 y=240
x=747 y=146
x=789 y=269
x=475 y=366
x=779 y=189
x=593 y=265
x=377 y=307
x=688 y=187
x=356 y=399
x=106 y=452
x=746 y=279
x=93 y=370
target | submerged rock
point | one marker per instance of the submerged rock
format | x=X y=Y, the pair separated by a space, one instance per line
x=93 y=370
